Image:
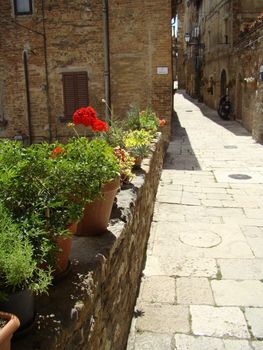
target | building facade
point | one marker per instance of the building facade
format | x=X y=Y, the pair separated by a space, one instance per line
x=223 y=53
x=56 y=56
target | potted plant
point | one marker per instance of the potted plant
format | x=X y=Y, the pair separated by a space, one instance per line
x=101 y=166
x=145 y=119
x=137 y=143
x=101 y=170
x=20 y=273
x=126 y=163
x=36 y=186
x=8 y=325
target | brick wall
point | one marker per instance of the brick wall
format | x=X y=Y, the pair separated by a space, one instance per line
x=140 y=41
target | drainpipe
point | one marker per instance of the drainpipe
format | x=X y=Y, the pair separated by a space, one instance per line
x=105 y=10
x=46 y=74
x=29 y=115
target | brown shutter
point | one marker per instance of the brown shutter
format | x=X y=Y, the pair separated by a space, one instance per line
x=82 y=88
x=75 y=88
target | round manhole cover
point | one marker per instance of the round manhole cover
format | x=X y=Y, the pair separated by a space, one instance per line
x=200 y=238
x=240 y=176
x=230 y=147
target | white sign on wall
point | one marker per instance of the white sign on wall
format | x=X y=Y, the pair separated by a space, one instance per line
x=162 y=70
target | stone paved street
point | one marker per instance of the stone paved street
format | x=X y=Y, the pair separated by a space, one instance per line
x=202 y=286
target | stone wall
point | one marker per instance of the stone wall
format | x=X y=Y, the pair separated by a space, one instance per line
x=140 y=41
x=91 y=309
x=228 y=47
x=249 y=96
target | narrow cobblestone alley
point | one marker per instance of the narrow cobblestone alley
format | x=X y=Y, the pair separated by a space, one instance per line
x=202 y=284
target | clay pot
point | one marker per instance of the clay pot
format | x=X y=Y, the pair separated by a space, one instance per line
x=21 y=304
x=8 y=330
x=96 y=214
x=62 y=256
x=137 y=162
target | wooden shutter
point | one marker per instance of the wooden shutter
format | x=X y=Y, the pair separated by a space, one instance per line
x=75 y=88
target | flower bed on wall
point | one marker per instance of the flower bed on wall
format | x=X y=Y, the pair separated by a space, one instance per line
x=92 y=308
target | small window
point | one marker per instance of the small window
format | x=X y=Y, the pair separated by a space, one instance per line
x=75 y=90
x=23 y=7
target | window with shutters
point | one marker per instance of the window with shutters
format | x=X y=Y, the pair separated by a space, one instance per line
x=75 y=88
x=23 y=7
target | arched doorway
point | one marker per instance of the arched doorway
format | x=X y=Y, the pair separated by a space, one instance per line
x=223 y=83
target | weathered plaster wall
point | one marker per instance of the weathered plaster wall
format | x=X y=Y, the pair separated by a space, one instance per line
x=92 y=307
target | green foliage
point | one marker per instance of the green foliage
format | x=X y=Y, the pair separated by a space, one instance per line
x=97 y=159
x=126 y=163
x=115 y=135
x=45 y=188
x=137 y=142
x=146 y=120
x=133 y=121
x=19 y=269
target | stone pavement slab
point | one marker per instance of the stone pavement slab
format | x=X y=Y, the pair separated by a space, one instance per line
x=152 y=341
x=186 y=342
x=239 y=293
x=158 y=289
x=218 y=321
x=202 y=282
x=241 y=269
x=194 y=291
x=254 y=317
x=184 y=267
x=195 y=240
x=163 y=318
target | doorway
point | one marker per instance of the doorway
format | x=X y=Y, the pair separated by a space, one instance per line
x=223 y=83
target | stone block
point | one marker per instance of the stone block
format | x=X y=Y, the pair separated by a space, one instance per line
x=163 y=318
x=187 y=342
x=241 y=269
x=158 y=289
x=183 y=267
x=152 y=341
x=194 y=291
x=218 y=321
x=239 y=293
x=254 y=318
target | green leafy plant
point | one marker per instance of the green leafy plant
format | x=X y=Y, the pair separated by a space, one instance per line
x=146 y=119
x=115 y=135
x=19 y=267
x=137 y=142
x=98 y=161
x=126 y=164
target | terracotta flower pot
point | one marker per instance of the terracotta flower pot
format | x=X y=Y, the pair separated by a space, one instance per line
x=7 y=331
x=137 y=163
x=62 y=256
x=21 y=304
x=97 y=213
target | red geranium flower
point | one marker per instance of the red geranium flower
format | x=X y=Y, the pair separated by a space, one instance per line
x=162 y=122
x=99 y=125
x=87 y=116
x=55 y=152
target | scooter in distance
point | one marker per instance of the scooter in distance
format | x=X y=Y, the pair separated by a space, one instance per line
x=224 y=107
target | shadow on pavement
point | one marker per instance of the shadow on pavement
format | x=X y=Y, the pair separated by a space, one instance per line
x=231 y=125
x=180 y=155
